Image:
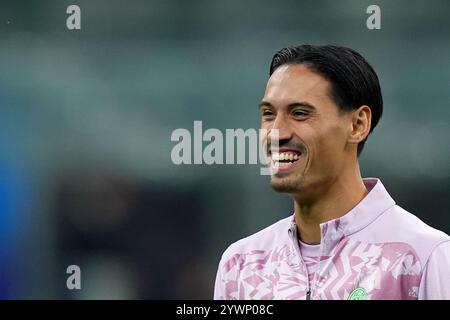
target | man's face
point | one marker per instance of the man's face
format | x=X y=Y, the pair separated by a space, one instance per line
x=312 y=131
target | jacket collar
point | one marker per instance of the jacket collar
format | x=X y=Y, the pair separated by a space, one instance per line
x=375 y=203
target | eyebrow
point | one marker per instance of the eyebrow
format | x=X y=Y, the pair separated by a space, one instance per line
x=290 y=106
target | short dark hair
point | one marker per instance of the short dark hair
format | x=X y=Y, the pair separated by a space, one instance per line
x=353 y=81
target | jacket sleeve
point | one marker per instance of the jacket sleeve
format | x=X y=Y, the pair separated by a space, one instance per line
x=219 y=289
x=435 y=283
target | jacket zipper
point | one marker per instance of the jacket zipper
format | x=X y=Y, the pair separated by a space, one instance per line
x=293 y=234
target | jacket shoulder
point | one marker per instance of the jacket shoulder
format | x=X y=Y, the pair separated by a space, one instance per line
x=264 y=239
x=399 y=225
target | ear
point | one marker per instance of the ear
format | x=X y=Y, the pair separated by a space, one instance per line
x=361 y=119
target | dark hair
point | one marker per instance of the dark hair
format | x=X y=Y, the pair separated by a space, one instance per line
x=353 y=81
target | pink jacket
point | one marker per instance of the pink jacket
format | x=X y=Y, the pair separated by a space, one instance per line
x=376 y=251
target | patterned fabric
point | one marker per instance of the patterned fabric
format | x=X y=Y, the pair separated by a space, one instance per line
x=310 y=255
x=377 y=249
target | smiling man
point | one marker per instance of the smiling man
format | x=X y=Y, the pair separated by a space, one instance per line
x=347 y=239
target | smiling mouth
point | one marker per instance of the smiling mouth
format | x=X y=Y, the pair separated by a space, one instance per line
x=284 y=160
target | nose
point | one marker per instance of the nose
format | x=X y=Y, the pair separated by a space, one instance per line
x=282 y=125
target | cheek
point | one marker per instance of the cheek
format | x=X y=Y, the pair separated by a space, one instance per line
x=266 y=126
x=331 y=142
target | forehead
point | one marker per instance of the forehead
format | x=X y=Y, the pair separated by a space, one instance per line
x=293 y=83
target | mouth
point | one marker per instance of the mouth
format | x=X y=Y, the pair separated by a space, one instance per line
x=284 y=160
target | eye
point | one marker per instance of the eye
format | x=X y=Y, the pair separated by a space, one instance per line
x=266 y=112
x=299 y=114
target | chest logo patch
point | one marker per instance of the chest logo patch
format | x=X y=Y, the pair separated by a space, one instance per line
x=358 y=294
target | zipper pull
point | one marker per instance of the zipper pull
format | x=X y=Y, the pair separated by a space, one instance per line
x=308 y=295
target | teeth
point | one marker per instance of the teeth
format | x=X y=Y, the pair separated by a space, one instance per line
x=277 y=164
x=285 y=156
x=275 y=156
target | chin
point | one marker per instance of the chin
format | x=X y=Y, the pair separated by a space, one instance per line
x=285 y=185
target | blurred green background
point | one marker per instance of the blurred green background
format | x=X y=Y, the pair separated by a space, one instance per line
x=86 y=118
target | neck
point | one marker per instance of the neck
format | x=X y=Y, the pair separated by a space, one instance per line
x=334 y=201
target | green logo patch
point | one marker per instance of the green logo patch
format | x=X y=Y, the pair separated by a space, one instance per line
x=358 y=294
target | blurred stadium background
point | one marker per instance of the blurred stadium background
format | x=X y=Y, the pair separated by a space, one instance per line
x=86 y=118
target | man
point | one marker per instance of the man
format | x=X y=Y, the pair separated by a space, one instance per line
x=347 y=239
